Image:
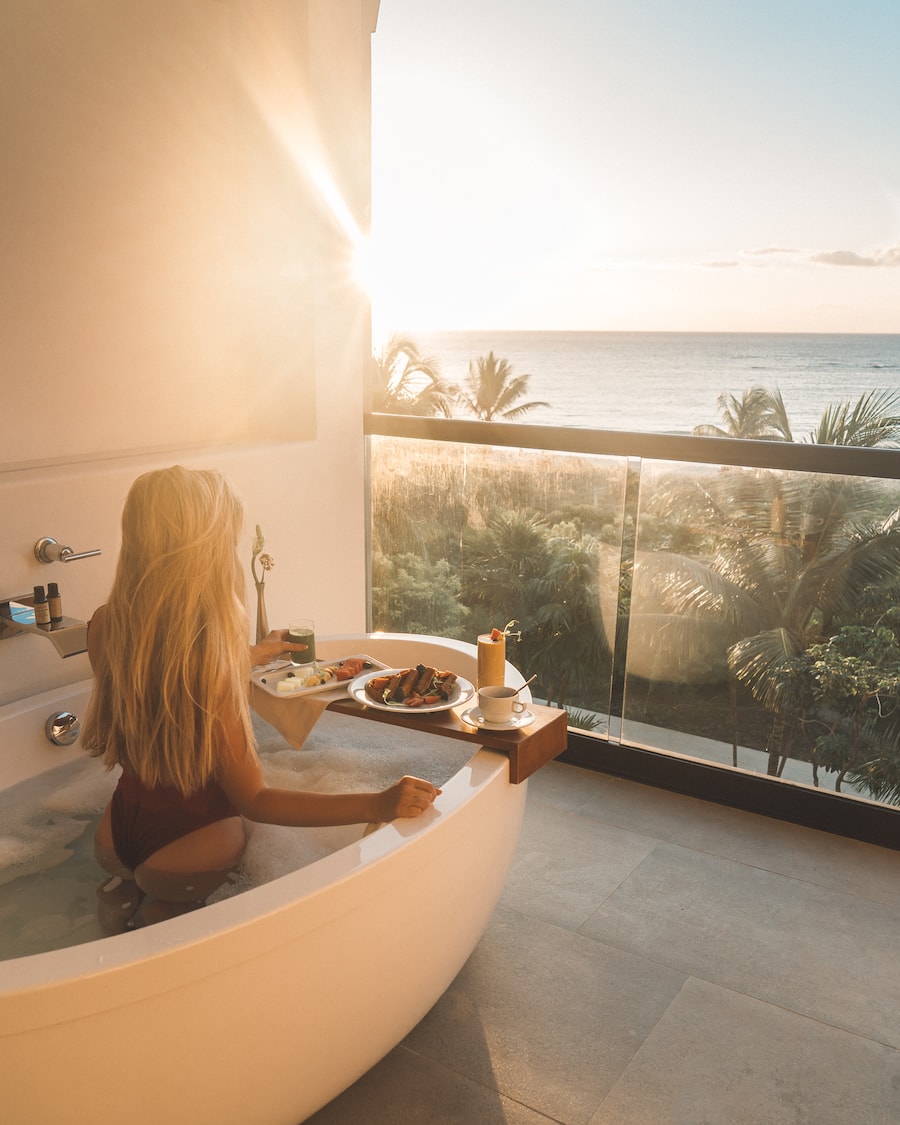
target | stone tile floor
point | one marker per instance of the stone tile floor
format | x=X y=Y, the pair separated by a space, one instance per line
x=657 y=960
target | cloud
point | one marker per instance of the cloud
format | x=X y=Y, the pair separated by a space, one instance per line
x=758 y=258
x=771 y=250
x=881 y=258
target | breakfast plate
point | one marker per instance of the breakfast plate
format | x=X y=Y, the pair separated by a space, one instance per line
x=285 y=680
x=461 y=692
x=475 y=718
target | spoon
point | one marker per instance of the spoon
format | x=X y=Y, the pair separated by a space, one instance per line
x=525 y=685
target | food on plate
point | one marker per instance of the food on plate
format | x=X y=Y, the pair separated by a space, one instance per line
x=349 y=669
x=412 y=687
x=289 y=685
x=339 y=672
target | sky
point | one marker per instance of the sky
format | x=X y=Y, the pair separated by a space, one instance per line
x=641 y=165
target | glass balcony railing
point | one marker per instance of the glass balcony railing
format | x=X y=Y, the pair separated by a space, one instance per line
x=725 y=604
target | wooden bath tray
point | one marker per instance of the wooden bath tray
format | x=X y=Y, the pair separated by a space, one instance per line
x=528 y=748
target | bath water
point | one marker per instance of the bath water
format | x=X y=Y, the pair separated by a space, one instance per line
x=48 y=873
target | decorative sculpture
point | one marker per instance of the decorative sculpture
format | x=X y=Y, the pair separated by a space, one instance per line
x=266 y=562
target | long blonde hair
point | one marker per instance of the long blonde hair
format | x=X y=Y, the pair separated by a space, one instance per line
x=175 y=664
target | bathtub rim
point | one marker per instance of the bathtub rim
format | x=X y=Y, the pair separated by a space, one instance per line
x=229 y=917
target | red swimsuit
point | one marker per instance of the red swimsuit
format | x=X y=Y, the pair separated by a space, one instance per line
x=145 y=820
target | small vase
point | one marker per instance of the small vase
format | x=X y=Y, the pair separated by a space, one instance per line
x=262 y=620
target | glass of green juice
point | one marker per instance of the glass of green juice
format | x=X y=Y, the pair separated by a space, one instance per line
x=302 y=631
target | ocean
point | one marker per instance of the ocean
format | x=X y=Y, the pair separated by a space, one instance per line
x=669 y=382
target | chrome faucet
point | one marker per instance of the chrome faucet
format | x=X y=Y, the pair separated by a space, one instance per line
x=47 y=550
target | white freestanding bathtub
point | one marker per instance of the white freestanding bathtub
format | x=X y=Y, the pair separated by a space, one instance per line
x=262 y=1007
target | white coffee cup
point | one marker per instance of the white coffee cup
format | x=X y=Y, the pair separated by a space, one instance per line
x=498 y=704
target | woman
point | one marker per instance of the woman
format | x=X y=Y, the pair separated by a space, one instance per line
x=171 y=707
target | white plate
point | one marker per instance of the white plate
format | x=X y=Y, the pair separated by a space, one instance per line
x=475 y=718
x=461 y=692
x=270 y=676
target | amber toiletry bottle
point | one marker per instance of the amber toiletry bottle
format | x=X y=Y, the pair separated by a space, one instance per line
x=54 y=601
x=41 y=607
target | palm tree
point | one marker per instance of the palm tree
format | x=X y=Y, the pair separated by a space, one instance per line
x=759 y=414
x=491 y=391
x=792 y=560
x=407 y=382
x=874 y=419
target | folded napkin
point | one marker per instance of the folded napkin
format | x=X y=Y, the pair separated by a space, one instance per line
x=294 y=716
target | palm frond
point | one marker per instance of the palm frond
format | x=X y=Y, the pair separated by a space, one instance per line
x=764 y=663
x=688 y=586
x=673 y=648
x=871 y=556
x=874 y=419
x=406 y=381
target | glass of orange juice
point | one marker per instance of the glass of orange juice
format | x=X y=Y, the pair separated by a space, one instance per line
x=491 y=659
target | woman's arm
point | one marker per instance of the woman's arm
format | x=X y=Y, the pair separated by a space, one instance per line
x=273 y=646
x=242 y=779
x=95 y=636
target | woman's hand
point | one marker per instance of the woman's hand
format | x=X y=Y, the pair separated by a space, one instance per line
x=410 y=796
x=273 y=646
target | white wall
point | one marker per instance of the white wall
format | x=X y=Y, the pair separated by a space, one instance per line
x=181 y=187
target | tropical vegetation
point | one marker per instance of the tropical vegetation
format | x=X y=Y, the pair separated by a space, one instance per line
x=790 y=559
x=849 y=687
x=742 y=605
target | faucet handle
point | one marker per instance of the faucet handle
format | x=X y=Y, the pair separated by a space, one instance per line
x=47 y=550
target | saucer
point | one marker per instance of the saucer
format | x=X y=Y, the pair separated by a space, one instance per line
x=474 y=718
